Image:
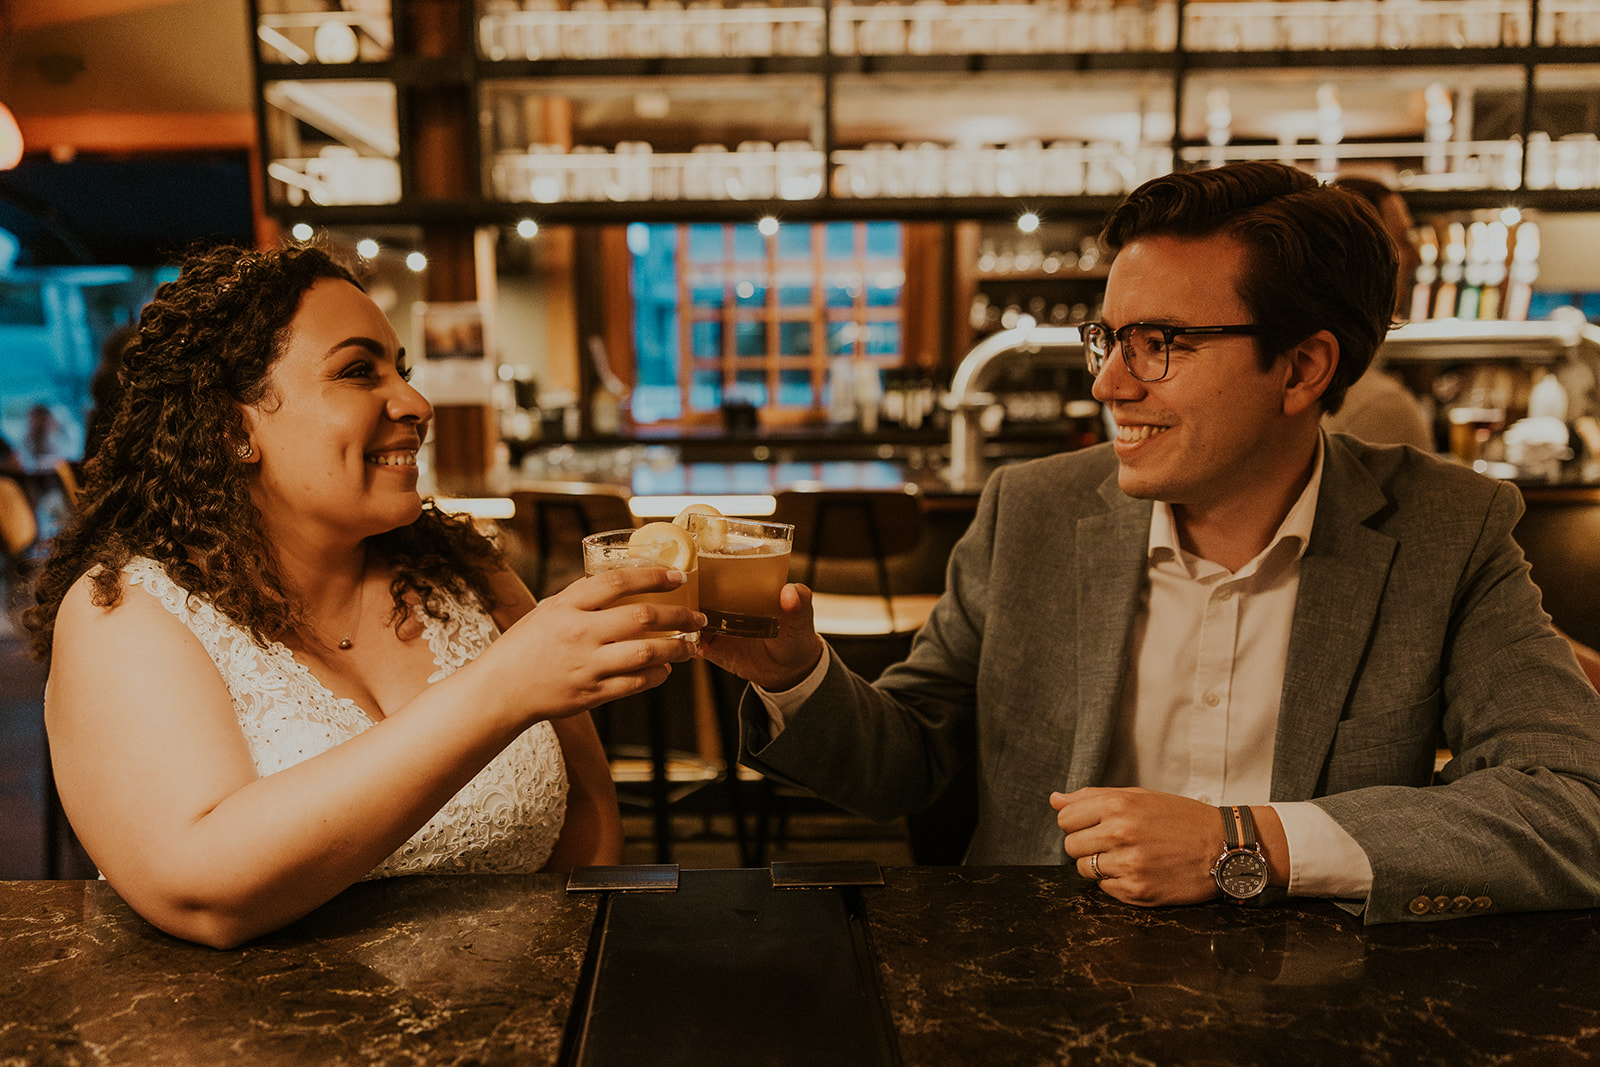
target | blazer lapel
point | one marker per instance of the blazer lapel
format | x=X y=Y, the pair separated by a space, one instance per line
x=1111 y=552
x=1342 y=577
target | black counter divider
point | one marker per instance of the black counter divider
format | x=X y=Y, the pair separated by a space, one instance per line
x=729 y=969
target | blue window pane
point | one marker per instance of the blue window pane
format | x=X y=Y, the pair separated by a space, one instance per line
x=883 y=338
x=752 y=386
x=883 y=289
x=839 y=240
x=706 y=338
x=794 y=242
x=748 y=293
x=705 y=391
x=841 y=338
x=794 y=339
x=706 y=295
x=794 y=389
x=750 y=338
x=842 y=289
x=748 y=243
x=705 y=243
x=883 y=240
x=655 y=323
x=654 y=403
x=794 y=296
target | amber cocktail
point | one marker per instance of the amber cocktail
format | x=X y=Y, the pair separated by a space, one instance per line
x=635 y=548
x=741 y=577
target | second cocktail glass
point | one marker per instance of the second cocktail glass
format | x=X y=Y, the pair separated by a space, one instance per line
x=744 y=565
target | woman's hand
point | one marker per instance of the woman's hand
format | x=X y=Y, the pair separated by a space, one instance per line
x=584 y=647
x=775 y=663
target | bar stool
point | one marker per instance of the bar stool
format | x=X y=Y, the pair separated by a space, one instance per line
x=550 y=521
x=846 y=542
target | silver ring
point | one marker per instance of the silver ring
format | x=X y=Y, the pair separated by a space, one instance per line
x=1094 y=866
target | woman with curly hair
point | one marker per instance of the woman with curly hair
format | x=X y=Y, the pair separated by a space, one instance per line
x=274 y=668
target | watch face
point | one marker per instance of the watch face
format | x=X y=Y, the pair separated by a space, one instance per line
x=1242 y=874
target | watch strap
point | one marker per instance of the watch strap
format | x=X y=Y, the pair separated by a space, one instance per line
x=1247 y=826
x=1230 y=828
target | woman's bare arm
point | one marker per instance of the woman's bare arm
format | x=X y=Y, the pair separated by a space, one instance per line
x=161 y=789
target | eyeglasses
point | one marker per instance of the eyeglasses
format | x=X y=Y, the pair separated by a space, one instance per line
x=1145 y=345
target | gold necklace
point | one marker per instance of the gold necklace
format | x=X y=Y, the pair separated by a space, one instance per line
x=345 y=643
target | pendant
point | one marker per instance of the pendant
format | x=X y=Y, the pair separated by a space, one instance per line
x=345 y=643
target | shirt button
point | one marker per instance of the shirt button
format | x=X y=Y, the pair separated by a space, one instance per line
x=1212 y=700
x=1421 y=906
x=1224 y=594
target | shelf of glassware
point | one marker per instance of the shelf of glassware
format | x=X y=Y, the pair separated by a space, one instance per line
x=355 y=31
x=793 y=171
x=332 y=143
x=598 y=29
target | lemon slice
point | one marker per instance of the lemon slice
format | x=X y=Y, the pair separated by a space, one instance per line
x=710 y=531
x=663 y=543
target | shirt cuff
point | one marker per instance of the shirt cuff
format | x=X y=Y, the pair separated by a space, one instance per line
x=782 y=705
x=1324 y=861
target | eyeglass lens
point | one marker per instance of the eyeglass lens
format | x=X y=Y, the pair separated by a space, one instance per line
x=1144 y=349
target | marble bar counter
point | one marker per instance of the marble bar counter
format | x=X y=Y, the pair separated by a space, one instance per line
x=991 y=966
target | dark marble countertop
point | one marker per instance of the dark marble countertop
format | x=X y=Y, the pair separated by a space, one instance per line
x=477 y=969
x=975 y=966
x=1031 y=966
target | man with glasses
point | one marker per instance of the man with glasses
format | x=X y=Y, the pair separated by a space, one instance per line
x=1216 y=656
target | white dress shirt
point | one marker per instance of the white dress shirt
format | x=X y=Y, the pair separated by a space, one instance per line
x=1200 y=700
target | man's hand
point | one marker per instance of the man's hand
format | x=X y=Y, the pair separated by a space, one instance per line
x=1151 y=848
x=1157 y=848
x=775 y=663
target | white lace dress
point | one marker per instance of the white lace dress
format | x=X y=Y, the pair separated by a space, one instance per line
x=506 y=820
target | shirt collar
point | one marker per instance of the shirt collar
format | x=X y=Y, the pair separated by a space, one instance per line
x=1294 y=530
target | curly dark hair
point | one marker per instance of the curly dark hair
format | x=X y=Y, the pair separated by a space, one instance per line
x=164 y=482
x=1320 y=258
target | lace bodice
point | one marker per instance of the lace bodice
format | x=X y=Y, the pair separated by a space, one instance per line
x=506 y=820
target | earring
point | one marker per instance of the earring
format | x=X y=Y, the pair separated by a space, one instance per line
x=244 y=451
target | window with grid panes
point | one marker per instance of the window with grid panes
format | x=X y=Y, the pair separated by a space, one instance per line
x=724 y=314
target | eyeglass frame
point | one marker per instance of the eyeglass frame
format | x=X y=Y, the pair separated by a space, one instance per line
x=1169 y=333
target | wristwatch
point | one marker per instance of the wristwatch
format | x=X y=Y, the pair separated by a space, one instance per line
x=1241 y=870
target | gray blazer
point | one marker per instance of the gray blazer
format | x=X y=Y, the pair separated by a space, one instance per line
x=1416 y=626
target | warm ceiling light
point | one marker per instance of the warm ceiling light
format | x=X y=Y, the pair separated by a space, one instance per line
x=10 y=139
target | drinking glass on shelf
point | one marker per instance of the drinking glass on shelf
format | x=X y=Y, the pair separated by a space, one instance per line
x=744 y=564
x=616 y=549
x=1471 y=428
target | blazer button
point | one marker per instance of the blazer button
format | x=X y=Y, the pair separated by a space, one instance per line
x=1461 y=904
x=1482 y=903
x=1441 y=904
x=1421 y=906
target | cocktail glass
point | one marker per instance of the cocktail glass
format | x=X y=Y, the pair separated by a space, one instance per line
x=741 y=577
x=609 y=551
